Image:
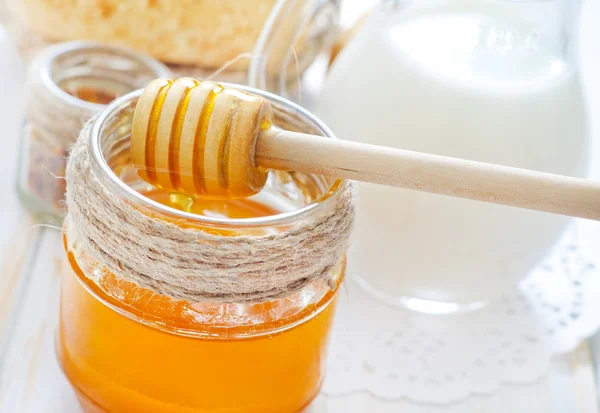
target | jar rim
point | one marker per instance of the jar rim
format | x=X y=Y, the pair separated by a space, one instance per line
x=53 y=53
x=100 y=164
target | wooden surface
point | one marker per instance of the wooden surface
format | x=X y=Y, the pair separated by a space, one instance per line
x=31 y=382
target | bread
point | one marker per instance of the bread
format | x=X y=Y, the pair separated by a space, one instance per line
x=205 y=33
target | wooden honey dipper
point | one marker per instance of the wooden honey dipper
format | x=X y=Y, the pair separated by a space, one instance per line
x=199 y=137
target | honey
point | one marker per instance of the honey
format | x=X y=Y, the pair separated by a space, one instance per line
x=126 y=349
x=91 y=95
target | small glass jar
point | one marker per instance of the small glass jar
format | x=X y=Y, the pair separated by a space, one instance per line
x=195 y=38
x=67 y=84
x=292 y=53
x=126 y=349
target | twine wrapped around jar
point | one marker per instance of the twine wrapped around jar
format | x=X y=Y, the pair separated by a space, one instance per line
x=187 y=263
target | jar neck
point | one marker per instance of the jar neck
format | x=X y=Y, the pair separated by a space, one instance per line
x=305 y=196
x=89 y=75
x=185 y=256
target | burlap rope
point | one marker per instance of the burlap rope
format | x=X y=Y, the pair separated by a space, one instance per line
x=193 y=265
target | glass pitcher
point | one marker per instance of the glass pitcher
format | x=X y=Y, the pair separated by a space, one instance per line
x=487 y=80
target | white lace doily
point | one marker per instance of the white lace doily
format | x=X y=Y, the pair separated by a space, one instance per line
x=393 y=353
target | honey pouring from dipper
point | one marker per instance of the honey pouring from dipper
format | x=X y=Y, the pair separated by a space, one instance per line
x=211 y=139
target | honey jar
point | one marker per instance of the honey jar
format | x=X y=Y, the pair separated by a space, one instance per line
x=67 y=84
x=135 y=338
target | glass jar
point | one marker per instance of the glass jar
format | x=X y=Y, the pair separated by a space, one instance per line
x=195 y=38
x=68 y=84
x=297 y=35
x=126 y=349
x=487 y=80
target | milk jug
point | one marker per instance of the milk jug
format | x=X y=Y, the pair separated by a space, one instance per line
x=486 y=80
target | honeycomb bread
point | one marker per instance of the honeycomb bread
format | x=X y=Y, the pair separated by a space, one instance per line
x=185 y=32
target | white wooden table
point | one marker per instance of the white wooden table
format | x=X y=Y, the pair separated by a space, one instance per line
x=30 y=379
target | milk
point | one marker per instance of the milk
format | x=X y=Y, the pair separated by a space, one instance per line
x=469 y=82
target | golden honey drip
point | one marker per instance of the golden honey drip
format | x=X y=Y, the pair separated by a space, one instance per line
x=198 y=138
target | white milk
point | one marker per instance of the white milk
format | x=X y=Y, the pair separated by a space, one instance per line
x=462 y=83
